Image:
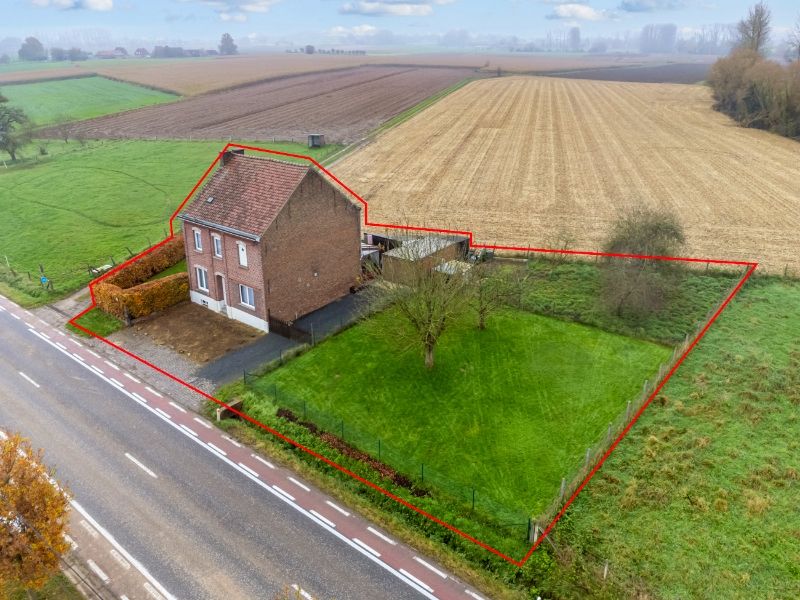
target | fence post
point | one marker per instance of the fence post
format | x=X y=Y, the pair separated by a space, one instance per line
x=605 y=571
x=628 y=412
x=586 y=463
x=563 y=488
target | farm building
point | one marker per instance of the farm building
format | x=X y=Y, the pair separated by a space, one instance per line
x=268 y=240
x=429 y=252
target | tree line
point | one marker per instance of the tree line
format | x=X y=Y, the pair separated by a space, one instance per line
x=755 y=91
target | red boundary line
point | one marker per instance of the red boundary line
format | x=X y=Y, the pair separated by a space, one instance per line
x=751 y=268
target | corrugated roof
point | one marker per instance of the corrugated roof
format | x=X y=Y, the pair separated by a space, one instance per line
x=248 y=193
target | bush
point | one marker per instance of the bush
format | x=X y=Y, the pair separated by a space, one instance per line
x=163 y=257
x=142 y=300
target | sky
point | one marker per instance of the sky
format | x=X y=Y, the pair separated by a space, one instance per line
x=363 y=21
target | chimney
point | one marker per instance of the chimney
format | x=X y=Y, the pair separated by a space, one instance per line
x=228 y=154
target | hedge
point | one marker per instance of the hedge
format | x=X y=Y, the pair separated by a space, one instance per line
x=160 y=259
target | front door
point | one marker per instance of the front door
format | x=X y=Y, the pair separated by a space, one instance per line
x=222 y=293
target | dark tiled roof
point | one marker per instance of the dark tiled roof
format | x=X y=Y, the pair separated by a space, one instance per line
x=248 y=193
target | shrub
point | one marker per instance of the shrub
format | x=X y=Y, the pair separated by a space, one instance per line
x=142 y=300
x=160 y=259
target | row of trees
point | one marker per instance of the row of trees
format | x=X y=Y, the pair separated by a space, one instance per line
x=753 y=90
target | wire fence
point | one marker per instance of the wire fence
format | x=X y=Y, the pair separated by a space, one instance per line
x=404 y=469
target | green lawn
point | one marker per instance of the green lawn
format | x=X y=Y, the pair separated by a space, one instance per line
x=45 y=102
x=179 y=267
x=84 y=205
x=99 y=322
x=700 y=500
x=509 y=410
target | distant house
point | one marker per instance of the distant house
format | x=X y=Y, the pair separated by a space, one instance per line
x=268 y=239
x=105 y=54
x=141 y=53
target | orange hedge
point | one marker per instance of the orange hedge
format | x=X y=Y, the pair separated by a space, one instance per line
x=144 y=299
x=160 y=259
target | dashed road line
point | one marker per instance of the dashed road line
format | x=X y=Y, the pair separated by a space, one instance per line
x=474 y=595
x=60 y=345
x=29 y=325
x=97 y=370
x=93 y=353
x=16 y=316
x=232 y=441
x=191 y=431
x=135 y=461
x=131 y=377
x=263 y=461
x=163 y=413
x=299 y=484
x=283 y=492
x=386 y=539
x=248 y=469
x=177 y=406
x=62 y=333
x=92 y=531
x=152 y=591
x=29 y=380
x=215 y=448
x=325 y=520
x=98 y=571
x=115 y=382
x=302 y=592
x=203 y=423
x=44 y=334
x=76 y=342
x=152 y=391
x=73 y=544
x=138 y=397
x=367 y=548
x=112 y=365
x=430 y=567
x=118 y=557
x=78 y=356
x=419 y=582
x=339 y=508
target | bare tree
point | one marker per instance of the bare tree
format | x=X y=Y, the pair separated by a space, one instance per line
x=64 y=126
x=427 y=303
x=636 y=287
x=492 y=288
x=794 y=42
x=754 y=29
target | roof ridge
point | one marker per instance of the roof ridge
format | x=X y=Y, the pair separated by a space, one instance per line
x=270 y=159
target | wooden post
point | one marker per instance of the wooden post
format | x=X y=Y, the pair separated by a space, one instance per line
x=563 y=488
x=586 y=461
x=628 y=411
x=605 y=571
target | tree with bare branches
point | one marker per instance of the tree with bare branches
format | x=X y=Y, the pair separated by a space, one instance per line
x=490 y=288
x=794 y=42
x=33 y=516
x=754 y=30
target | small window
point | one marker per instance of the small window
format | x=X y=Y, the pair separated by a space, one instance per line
x=247 y=296
x=217 y=245
x=198 y=241
x=242 y=254
x=202 y=278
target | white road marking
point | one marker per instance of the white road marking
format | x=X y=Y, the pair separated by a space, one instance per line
x=93 y=353
x=380 y=535
x=29 y=313
x=302 y=592
x=325 y=520
x=2 y=309
x=115 y=382
x=89 y=528
x=152 y=391
x=118 y=557
x=29 y=380
x=417 y=581
x=261 y=460
x=60 y=345
x=78 y=356
x=136 y=564
x=191 y=431
x=131 y=377
x=430 y=567
x=249 y=470
x=283 y=492
x=15 y=316
x=232 y=441
x=138 y=397
x=213 y=447
x=62 y=333
x=300 y=485
x=140 y=465
x=44 y=334
x=177 y=406
x=163 y=413
x=153 y=593
x=98 y=571
x=112 y=365
x=333 y=506
x=205 y=424
x=474 y=595
x=71 y=542
x=29 y=325
x=76 y=342
x=98 y=370
x=367 y=548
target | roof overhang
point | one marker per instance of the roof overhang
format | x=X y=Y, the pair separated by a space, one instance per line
x=218 y=227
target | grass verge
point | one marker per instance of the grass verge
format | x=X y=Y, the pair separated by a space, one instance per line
x=98 y=321
x=57 y=588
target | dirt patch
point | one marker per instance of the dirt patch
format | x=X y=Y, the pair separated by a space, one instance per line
x=195 y=332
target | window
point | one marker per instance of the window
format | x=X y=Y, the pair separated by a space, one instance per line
x=198 y=241
x=242 y=254
x=247 y=295
x=202 y=278
x=217 y=245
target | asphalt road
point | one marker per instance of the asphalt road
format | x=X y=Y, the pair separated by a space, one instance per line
x=200 y=528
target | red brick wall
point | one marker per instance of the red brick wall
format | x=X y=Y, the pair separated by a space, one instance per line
x=318 y=231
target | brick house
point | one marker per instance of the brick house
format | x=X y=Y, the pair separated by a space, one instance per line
x=267 y=238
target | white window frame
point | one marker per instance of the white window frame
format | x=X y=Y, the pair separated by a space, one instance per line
x=198 y=240
x=242 y=254
x=200 y=280
x=242 y=300
x=216 y=242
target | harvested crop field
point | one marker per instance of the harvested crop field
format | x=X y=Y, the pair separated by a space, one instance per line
x=670 y=73
x=343 y=105
x=535 y=161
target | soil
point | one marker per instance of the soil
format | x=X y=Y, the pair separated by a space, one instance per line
x=196 y=333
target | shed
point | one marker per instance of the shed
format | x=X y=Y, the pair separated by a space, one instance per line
x=427 y=252
x=316 y=140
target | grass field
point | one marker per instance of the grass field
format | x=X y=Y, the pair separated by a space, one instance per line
x=700 y=500
x=509 y=411
x=83 y=207
x=534 y=161
x=45 y=102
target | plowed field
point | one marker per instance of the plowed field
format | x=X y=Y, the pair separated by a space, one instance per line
x=534 y=161
x=341 y=104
